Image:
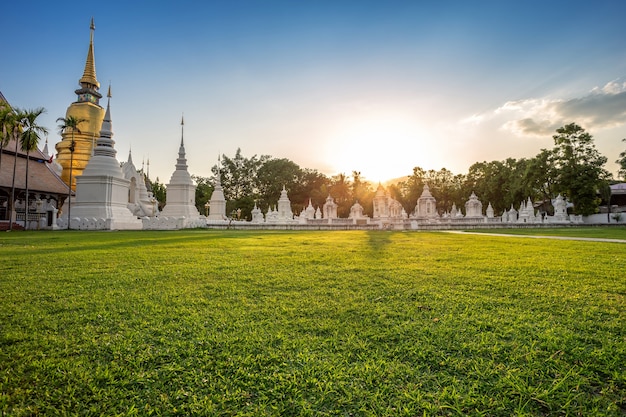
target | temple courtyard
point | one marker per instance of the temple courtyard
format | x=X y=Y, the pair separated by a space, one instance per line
x=233 y=322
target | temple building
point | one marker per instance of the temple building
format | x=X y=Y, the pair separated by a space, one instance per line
x=46 y=190
x=86 y=108
x=386 y=207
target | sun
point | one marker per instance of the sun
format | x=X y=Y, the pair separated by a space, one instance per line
x=380 y=149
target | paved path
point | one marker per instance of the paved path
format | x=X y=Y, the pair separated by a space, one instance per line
x=588 y=239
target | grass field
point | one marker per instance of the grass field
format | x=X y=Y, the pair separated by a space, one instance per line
x=236 y=323
x=603 y=232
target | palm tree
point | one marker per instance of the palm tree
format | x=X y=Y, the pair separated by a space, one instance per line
x=15 y=127
x=29 y=140
x=6 y=114
x=7 y=119
x=70 y=122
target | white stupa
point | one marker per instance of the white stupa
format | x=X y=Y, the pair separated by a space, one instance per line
x=217 y=204
x=284 y=207
x=141 y=202
x=426 y=207
x=181 y=190
x=102 y=191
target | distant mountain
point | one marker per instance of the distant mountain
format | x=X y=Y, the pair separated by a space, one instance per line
x=395 y=181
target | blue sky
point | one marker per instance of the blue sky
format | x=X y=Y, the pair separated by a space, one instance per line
x=377 y=87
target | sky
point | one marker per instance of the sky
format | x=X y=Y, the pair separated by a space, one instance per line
x=338 y=86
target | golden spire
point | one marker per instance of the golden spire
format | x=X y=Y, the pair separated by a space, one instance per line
x=89 y=75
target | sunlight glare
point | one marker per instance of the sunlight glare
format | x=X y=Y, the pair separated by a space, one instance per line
x=381 y=149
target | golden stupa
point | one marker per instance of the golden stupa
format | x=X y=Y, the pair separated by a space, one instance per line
x=86 y=107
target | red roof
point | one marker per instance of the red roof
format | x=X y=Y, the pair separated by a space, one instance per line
x=41 y=178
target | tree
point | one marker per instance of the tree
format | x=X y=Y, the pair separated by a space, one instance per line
x=442 y=187
x=11 y=130
x=491 y=181
x=580 y=171
x=7 y=115
x=159 y=192
x=509 y=182
x=204 y=189
x=312 y=185
x=362 y=192
x=70 y=122
x=239 y=175
x=411 y=189
x=16 y=132
x=341 y=191
x=539 y=176
x=29 y=140
x=606 y=193
x=622 y=164
x=272 y=176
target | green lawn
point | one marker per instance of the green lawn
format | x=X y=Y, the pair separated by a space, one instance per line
x=229 y=323
x=605 y=232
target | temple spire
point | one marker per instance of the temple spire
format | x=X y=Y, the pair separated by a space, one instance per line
x=182 y=127
x=218 y=177
x=105 y=143
x=45 y=148
x=89 y=75
x=181 y=162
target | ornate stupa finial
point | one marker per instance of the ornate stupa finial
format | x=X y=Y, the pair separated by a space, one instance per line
x=218 y=177
x=89 y=75
x=105 y=143
x=107 y=115
x=89 y=85
x=182 y=127
x=45 y=148
x=181 y=162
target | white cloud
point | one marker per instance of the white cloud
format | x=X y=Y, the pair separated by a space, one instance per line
x=601 y=108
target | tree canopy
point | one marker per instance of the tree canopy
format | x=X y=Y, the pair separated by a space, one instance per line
x=622 y=164
x=579 y=171
x=573 y=168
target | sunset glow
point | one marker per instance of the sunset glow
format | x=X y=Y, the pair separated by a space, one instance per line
x=381 y=149
x=374 y=87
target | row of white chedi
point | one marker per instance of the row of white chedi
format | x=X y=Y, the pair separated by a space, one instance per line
x=107 y=193
x=385 y=207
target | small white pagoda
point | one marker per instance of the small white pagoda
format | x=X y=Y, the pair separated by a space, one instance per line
x=473 y=207
x=141 y=202
x=426 y=207
x=330 y=208
x=284 y=213
x=181 y=190
x=217 y=203
x=102 y=190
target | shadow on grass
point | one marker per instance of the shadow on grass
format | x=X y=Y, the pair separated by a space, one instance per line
x=80 y=241
x=378 y=240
